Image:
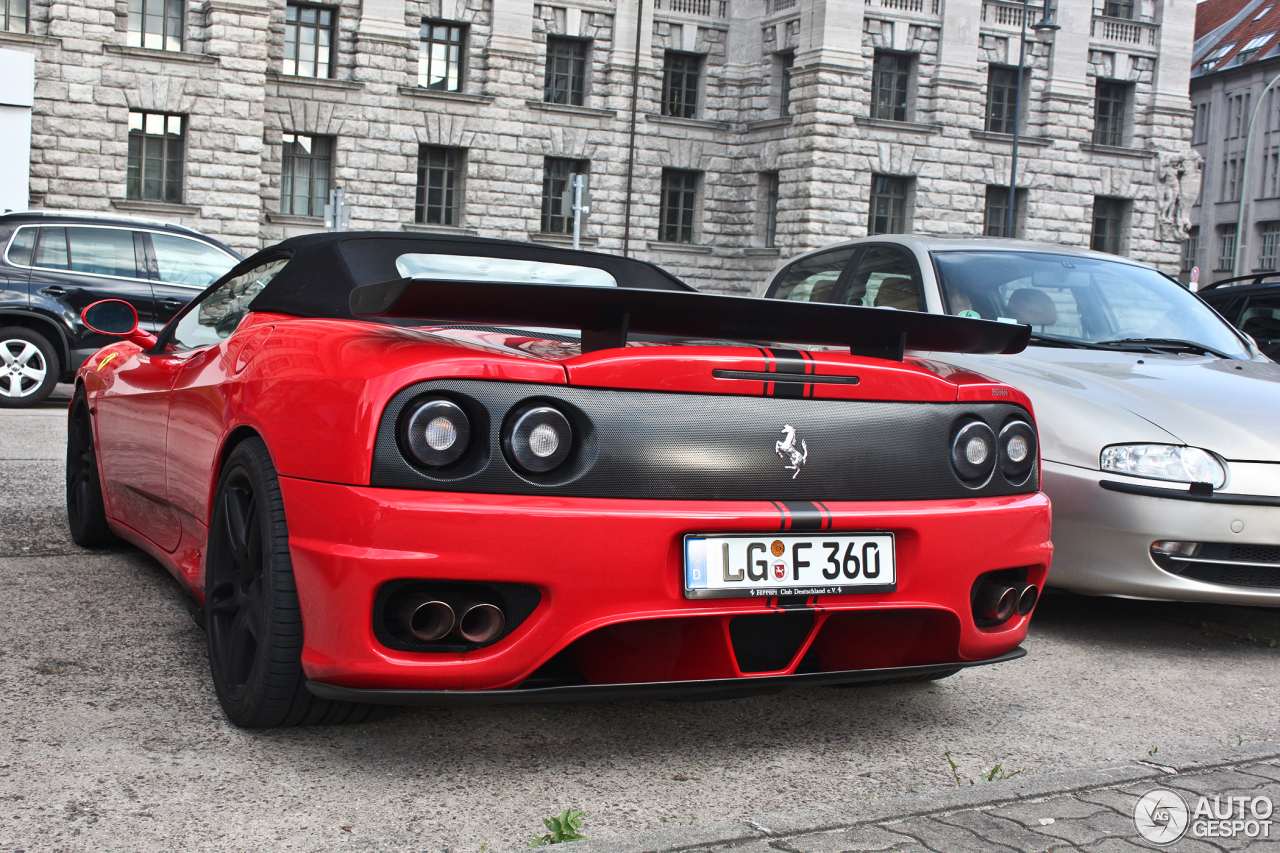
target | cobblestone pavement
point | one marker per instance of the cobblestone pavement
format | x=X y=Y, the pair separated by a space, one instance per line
x=1088 y=811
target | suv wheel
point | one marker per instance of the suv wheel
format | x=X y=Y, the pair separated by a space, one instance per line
x=28 y=367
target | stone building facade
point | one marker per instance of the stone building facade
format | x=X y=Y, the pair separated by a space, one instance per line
x=719 y=136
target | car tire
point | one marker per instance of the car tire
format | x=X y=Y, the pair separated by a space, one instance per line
x=29 y=368
x=252 y=616
x=86 y=514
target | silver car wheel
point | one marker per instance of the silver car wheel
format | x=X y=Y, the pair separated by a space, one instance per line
x=22 y=368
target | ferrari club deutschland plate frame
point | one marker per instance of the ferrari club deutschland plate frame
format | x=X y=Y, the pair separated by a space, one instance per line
x=755 y=565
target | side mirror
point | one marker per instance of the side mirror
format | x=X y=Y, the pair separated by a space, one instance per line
x=118 y=318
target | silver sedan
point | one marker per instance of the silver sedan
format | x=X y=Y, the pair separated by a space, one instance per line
x=1159 y=422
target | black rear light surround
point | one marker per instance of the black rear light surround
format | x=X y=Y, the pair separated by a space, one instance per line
x=537 y=437
x=973 y=453
x=445 y=435
x=1018 y=446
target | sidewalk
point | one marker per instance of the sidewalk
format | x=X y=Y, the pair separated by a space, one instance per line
x=1089 y=810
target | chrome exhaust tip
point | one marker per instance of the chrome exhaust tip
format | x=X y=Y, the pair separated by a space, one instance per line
x=996 y=602
x=1027 y=599
x=426 y=618
x=480 y=622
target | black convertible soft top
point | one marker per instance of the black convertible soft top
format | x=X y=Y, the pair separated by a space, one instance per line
x=324 y=268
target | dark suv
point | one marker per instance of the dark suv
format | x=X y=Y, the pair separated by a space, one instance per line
x=54 y=263
x=1251 y=303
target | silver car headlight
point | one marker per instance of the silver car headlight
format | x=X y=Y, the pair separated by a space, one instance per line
x=1171 y=462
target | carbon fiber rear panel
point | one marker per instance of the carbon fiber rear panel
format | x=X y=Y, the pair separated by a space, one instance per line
x=642 y=444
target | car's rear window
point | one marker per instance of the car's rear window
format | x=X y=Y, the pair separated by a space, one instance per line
x=473 y=268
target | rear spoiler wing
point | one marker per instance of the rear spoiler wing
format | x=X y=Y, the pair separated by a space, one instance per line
x=606 y=315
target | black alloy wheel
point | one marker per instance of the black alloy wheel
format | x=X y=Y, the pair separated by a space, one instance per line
x=86 y=515
x=252 y=616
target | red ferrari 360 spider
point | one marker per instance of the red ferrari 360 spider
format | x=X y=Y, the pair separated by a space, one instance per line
x=395 y=469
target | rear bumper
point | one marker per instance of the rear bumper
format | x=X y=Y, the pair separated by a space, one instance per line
x=609 y=574
x=720 y=688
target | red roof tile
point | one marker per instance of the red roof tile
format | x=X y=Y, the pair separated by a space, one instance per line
x=1262 y=24
x=1212 y=14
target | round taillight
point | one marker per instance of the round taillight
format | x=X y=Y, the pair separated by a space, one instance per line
x=973 y=453
x=538 y=439
x=438 y=433
x=1017 y=451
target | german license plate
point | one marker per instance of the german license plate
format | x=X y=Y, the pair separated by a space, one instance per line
x=749 y=565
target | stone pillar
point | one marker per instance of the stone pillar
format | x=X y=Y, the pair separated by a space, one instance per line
x=832 y=33
x=512 y=28
x=225 y=170
x=1069 y=69
x=958 y=50
x=382 y=44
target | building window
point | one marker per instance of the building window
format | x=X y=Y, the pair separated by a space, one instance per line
x=156 y=24
x=1231 y=180
x=14 y=16
x=769 y=185
x=440 y=56
x=680 y=84
x=1200 y=129
x=1206 y=64
x=1002 y=93
x=1118 y=9
x=785 y=63
x=1237 y=108
x=1251 y=47
x=890 y=78
x=1269 y=248
x=439 y=196
x=155 y=157
x=1108 y=112
x=888 y=205
x=308 y=40
x=1108 y=222
x=1191 y=248
x=557 y=217
x=305 y=172
x=1271 y=173
x=1227 y=248
x=996 y=210
x=566 y=77
x=679 y=205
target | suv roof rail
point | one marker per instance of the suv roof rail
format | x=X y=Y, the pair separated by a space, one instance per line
x=100 y=214
x=1254 y=278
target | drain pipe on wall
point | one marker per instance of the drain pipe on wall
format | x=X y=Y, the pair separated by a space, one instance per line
x=631 y=136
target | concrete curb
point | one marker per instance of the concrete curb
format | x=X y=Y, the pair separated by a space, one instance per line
x=846 y=816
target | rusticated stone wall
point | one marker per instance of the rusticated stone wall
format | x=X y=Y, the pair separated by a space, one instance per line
x=228 y=82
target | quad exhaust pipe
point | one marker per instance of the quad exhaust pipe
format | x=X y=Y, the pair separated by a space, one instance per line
x=430 y=619
x=997 y=602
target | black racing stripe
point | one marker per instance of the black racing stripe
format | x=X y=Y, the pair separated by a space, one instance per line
x=768 y=368
x=785 y=520
x=790 y=361
x=804 y=515
x=828 y=520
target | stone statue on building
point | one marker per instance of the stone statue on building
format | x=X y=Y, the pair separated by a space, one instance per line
x=1178 y=187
